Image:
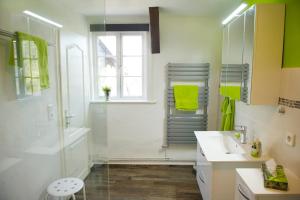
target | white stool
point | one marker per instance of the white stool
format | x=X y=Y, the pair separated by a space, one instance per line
x=66 y=187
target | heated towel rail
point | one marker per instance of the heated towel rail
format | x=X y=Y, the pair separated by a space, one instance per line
x=181 y=125
x=236 y=74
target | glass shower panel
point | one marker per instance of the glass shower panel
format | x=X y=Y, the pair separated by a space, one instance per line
x=34 y=149
x=30 y=141
x=98 y=180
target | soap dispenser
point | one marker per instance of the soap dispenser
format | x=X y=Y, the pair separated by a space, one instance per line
x=256 y=148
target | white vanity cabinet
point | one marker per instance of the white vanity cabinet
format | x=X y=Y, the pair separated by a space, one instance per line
x=218 y=155
x=255 y=38
x=249 y=186
x=204 y=174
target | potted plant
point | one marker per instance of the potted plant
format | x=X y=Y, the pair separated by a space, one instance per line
x=106 y=91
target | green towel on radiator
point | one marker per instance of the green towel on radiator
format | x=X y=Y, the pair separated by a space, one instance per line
x=186 y=97
x=31 y=49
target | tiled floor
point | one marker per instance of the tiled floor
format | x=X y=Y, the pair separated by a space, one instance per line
x=142 y=182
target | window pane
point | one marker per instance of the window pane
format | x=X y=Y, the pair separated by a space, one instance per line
x=132 y=66
x=36 y=89
x=110 y=82
x=28 y=86
x=35 y=68
x=107 y=45
x=18 y=86
x=107 y=66
x=25 y=49
x=27 y=69
x=132 y=86
x=33 y=50
x=132 y=45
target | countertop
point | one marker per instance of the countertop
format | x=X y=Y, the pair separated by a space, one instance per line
x=215 y=153
x=254 y=180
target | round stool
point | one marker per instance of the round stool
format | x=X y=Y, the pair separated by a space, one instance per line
x=66 y=187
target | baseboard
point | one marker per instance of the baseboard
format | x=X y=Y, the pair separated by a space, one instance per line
x=84 y=173
x=147 y=161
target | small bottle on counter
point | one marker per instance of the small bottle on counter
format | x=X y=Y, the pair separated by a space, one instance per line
x=256 y=148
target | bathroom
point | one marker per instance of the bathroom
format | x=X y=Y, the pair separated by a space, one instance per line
x=127 y=146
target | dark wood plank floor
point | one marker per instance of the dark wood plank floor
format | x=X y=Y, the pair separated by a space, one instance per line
x=141 y=182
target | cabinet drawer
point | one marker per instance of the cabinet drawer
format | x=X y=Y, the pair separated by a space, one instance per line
x=202 y=186
x=242 y=191
x=204 y=179
x=200 y=154
x=204 y=169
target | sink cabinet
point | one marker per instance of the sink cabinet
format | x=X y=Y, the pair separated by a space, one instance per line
x=204 y=174
x=216 y=165
x=216 y=180
x=255 y=40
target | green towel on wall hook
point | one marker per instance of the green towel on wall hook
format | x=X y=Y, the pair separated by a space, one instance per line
x=228 y=114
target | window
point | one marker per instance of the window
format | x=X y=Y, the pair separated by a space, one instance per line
x=120 y=62
x=28 y=77
x=31 y=68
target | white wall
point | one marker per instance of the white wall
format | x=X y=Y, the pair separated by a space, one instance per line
x=136 y=131
x=29 y=143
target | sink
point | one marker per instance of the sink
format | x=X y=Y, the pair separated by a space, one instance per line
x=231 y=146
x=223 y=146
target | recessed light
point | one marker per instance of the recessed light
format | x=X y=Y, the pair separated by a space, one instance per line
x=32 y=14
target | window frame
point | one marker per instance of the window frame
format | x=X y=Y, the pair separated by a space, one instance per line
x=119 y=76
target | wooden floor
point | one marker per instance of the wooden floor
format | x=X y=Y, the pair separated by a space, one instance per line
x=141 y=182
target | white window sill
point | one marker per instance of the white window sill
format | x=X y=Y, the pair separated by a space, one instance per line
x=124 y=102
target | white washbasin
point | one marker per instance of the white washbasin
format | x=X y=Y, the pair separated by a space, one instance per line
x=222 y=146
x=231 y=146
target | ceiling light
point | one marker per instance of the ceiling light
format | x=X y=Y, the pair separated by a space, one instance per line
x=42 y=18
x=234 y=13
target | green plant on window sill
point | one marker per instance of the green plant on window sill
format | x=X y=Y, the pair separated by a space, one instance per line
x=106 y=91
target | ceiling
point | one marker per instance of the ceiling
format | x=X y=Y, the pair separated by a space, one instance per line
x=210 y=8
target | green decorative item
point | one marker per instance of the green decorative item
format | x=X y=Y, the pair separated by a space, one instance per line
x=279 y=181
x=106 y=91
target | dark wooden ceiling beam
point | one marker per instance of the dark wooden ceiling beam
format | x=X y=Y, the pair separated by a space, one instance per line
x=154 y=29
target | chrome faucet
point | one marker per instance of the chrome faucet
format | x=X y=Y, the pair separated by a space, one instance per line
x=243 y=130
